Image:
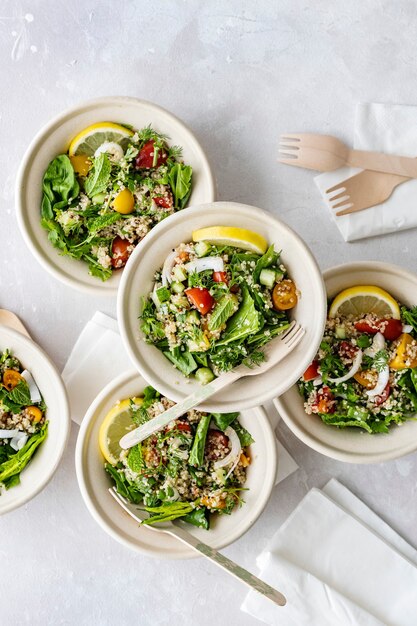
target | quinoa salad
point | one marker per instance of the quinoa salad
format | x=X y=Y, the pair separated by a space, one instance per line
x=214 y=306
x=196 y=466
x=23 y=426
x=365 y=372
x=98 y=203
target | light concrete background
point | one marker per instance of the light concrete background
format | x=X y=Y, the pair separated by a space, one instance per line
x=238 y=73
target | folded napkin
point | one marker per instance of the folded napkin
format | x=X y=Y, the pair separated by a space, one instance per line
x=338 y=564
x=98 y=357
x=390 y=128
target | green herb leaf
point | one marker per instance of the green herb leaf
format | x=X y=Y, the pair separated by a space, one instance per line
x=197 y=451
x=99 y=175
x=183 y=361
x=223 y=420
x=102 y=221
x=244 y=322
x=269 y=258
x=59 y=186
x=381 y=360
x=15 y=464
x=245 y=437
x=224 y=309
x=179 y=177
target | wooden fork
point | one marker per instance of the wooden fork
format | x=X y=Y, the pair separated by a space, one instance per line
x=362 y=191
x=325 y=153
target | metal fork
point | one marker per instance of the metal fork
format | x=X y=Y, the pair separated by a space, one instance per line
x=325 y=153
x=205 y=550
x=274 y=352
x=362 y=191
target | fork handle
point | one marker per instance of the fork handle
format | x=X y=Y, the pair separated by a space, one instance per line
x=229 y=566
x=157 y=423
x=380 y=162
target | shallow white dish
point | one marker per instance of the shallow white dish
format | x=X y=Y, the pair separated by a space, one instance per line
x=54 y=139
x=350 y=445
x=148 y=257
x=46 y=459
x=94 y=481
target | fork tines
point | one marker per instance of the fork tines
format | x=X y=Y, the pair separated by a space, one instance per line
x=288 y=146
x=340 y=199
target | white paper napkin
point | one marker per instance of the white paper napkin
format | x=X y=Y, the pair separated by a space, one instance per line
x=388 y=128
x=98 y=357
x=338 y=564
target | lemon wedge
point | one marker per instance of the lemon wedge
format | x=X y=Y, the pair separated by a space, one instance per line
x=92 y=137
x=364 y=299
x=232 y=236
x=117 y=423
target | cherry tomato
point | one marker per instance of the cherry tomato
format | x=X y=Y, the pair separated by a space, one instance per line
x=11 y=378
x=145 y=158
x=124 y=202
x=312 y=371
x=366 y=378
x=384 y=395
x=220 y=277
x=201 y=298
x=120 y=252
x=284 y=295
x=390 y=328
x=34 y=413
x=183 y=426
x=163 y=201
x=215 y=442
x=347 y=349
x=324 y=402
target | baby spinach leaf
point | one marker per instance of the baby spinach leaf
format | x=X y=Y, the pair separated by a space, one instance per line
x=59 y=185
x=199 y=518
x=223 y=420
x=183 y=361
x=97 y=179
x=179 y=178
x=244 y=435
x=15 y=464
x=197 y=451
x=244 y=322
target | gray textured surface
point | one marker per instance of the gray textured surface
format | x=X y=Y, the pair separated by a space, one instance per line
x=238 y=73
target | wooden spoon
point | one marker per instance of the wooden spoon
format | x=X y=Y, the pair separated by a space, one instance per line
x=7 y=318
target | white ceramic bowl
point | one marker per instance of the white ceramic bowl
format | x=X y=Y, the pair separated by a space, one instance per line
x=94 y=481
x=353 y=445
x=44 y=463
x=54 y=138
x=148 y=257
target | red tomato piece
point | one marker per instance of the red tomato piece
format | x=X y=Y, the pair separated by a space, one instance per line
x=324 y=401
x=145 y=158
x=347 y=349
x=220 y=277
x=312 y=371
x=390 y=328
x=183 y=426
x=120 y=252
x=384 y=395
x=201 y=298
x=163 y=201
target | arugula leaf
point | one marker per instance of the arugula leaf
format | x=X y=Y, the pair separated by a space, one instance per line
x=223 y=420
x=179 y=178
x=246 y=320
x=59 y=185
x=224 y=309
x=269 y=258
x=12 y=468
x=196 y=458
x=99 y=175
x=183 y=361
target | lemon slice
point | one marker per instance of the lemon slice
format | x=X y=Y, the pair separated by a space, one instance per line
x=91 y=138
x=365 y=299
x=232 y=236
x=117 y=423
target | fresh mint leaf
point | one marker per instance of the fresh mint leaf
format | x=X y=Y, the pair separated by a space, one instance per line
x=224 y=309
x=97 y=179
x=20 y=394
x=102 y=221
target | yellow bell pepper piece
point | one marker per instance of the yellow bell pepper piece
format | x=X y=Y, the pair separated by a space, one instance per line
x=403 y=356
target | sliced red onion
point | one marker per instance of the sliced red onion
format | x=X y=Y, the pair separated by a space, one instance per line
x=231 y=470
x=155 y=298
x=8 y=434
x=317 y=381
x=383 y=378
x=214 y=263
x=355 y=368
x=407 y=328
x=378 y=344
x=167 y=267
x=235 y=450
x=19 y=441
x=35 y=394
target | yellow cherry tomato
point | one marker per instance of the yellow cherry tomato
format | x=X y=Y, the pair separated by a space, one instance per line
x=366 y=378
x=81 y=164
x=284 y=295
x=11 y=379
x=405 y=354
x=34 y=414
x=124 y=202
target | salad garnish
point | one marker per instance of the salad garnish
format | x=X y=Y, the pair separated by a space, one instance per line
x=194 y=467
x=103 y=196
x=23 y=426
x=215 y=302
x=365 y=372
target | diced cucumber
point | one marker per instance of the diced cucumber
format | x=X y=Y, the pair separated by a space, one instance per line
x=177 y=287
x=267 y=278
x=193 y=317
x=98 y=198
x=180 y=273
x=202 y=248
x=163 y=294
x=278 y=276
x=340 y=332
x=204 y=375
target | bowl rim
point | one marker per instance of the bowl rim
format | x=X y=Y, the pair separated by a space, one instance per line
x=81 y=449
x=25 y=165
x=66 y=427
x=144 y=367
x=311 y=441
